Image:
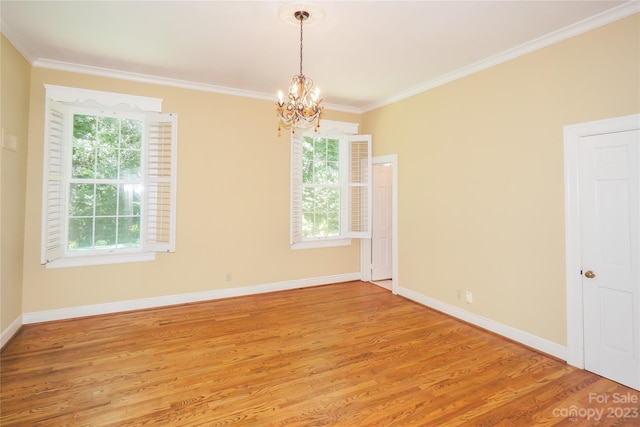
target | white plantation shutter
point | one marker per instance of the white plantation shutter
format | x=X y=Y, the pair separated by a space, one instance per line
x=359 y=186
x=160 y=183
x=296 y=187
x=54 y=181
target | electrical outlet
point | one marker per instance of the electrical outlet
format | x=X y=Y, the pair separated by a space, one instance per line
x=469 y=297
x=9 y=142
x=227 y=277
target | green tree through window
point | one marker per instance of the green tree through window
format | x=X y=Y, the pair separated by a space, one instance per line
x=105 y=189
x=320 y=187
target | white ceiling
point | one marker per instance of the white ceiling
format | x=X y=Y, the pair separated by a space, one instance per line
x=362 y=54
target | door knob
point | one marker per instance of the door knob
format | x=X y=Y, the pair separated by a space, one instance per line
x=589 y=274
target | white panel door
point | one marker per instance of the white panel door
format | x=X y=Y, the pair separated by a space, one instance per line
x=381 y=236
x=609 y=186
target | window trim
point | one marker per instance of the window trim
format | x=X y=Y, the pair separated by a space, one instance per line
x=159 y=145
x=336 y=130
x=322 y=243
x=121 y=101
x=81 y=260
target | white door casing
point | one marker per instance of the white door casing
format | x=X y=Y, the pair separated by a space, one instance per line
x=602 y=198
x=365 y=244
x=381 y=233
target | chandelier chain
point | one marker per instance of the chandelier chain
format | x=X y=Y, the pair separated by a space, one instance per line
x=301 y=21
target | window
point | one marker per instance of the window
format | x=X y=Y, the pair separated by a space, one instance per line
x=105 y=186
x=109 y=178
x=320 y=187
x=330 y=186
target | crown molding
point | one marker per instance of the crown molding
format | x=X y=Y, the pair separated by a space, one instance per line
x=164 y=81
x=144 y=78
x=573 y=30
x=15 y=41
x=591 y=23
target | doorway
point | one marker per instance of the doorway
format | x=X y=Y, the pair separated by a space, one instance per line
x=602 y=219
x=379 y=255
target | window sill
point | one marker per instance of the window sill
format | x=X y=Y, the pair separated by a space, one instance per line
x=87 y=260
x=324 y=243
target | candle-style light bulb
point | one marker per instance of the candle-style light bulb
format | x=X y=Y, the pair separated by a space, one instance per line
x=315 y=94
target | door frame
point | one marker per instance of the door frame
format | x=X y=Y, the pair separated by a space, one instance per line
x=573 y=244
x=365 y=244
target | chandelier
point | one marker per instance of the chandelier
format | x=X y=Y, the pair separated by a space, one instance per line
x=302 y=107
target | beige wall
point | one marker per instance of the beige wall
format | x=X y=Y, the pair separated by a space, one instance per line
x=481 y=199
x=480 y=196
x=14 y=84
x=232 y=211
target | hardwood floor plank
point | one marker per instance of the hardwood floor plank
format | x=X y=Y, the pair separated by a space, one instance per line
x=349 y=354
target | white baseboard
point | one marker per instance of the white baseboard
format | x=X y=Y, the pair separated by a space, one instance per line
x=510 y=332
x=8 y=333
x=517 y=335
x=138 y=304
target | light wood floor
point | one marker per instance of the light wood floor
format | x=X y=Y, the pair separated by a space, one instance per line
x=349 y=354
